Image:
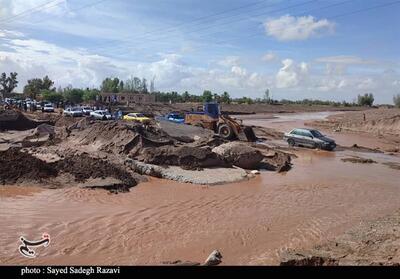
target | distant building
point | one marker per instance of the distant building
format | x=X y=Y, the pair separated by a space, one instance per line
x=128 y=98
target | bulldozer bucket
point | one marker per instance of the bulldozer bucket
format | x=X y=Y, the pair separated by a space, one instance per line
x=248 y=134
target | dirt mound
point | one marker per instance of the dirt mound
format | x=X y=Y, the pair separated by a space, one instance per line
x=240 y=154
x=187 y=157
x=84 y=167
x=115 y=137
x=14 y=120
x=279 y=161
x=309 y=261
x=18 y=166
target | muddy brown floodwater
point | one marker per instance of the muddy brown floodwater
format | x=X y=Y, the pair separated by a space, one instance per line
x=249 y=222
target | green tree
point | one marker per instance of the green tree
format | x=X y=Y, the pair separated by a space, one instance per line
x=36 y=85
x=225 y=98
x=267 y=97
x=144 y=85
x=47 y=84
x=396 y=100
x=74 y=96
x=186 y=97
x=52 y=96
x=111 y=85
x=365 y=100
x=207 y=96
x=90 y=94
x=137 y=83
x=7 y=84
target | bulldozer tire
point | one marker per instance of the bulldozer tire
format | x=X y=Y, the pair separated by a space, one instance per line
x=225 y=132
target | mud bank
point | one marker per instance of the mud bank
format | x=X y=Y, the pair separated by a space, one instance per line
x=372 y=243
x=17 y=167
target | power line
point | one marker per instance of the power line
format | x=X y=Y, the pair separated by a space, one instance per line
x=29 y=11
x=329 y=18
x=77 y=9
x=332 y=17
x=173 y=28
x=225 y=23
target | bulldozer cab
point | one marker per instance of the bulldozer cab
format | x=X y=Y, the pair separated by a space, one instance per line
x=211 y=109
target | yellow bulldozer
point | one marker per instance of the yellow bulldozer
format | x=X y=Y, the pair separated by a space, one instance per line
x=209 y=116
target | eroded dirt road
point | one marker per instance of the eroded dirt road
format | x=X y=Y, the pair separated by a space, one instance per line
x=249 y=222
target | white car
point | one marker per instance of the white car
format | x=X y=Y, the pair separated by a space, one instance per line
x=48 y=108
x=101 y=115
x=73 y=112
x=87 y=110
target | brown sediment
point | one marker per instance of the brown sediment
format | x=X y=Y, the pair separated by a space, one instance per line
x=19 y=167
x=16 y=166
x=359 y=160
x=186 y=157
x=371 y=243
x=392 y=165
x=15 y=120
x=10 y=191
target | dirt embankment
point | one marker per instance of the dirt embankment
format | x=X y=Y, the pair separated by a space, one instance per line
x=156 y=109
x=14 y=120
x=381 y=122
x=372 y=243
x=19 y=167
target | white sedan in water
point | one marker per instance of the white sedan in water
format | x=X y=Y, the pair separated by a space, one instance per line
x=101 y=115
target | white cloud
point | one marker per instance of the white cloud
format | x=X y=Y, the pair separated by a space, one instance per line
x=23 y=8
x=4 y=33
x=290 y=75
x=290 y=28
x=239 y=71
x=367 y=84
x=229 y=61
x=344 y=59
x=270 y=56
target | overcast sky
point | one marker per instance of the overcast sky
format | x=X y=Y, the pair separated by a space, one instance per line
x=326 y=49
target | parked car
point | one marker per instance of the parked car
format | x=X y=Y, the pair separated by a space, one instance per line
x=309 y=138
x=87 y=110
x=73 y=112
x=101 y=115
x=175 y=117
x=48 y=108
x=139 y=117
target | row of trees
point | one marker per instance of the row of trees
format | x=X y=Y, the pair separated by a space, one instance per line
x=132 y=85
x=44 y=88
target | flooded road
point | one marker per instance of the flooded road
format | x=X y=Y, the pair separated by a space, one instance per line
x=249 y=222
